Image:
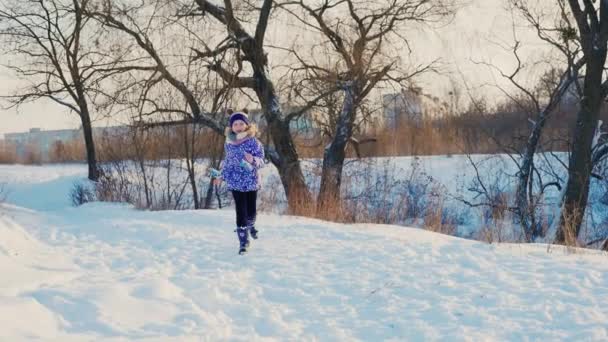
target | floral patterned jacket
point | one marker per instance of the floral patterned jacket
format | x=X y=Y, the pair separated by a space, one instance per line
x=239 y=174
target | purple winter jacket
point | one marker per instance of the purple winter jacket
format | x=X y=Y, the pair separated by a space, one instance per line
x=238 y=174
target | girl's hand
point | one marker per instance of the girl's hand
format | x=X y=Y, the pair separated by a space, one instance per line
x=249 y=158
x=217 y=181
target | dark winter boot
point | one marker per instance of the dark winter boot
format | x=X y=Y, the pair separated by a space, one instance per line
x=253 y=232
x=243 y=240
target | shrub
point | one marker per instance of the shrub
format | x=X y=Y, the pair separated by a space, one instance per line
x=81 y=193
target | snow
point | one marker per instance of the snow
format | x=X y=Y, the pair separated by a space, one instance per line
x=106 y=271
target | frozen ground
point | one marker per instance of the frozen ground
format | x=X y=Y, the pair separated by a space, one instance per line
x=108 y=272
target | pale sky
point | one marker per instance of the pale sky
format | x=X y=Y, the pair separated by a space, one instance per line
x=472 y=35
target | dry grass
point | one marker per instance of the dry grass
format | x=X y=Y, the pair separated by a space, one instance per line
x=437 y=220
x=382 y=195
x=157 y=144
x=569 y=229
x=8 y=153
x=8 y=157
x=67 y=152
x=32 y=156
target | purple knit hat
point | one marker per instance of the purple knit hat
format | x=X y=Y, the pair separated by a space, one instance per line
x=239 y=116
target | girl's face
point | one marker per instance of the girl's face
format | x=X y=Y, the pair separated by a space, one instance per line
x=239 y=126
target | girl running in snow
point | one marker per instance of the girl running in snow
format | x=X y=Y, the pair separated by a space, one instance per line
x=244 y=156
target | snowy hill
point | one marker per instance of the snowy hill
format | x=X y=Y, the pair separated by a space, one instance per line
x=108 y=272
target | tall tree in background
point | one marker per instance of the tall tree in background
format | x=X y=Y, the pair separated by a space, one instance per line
x=53 y=46
x=552 y=27
x=366 y=45
x=592 y=34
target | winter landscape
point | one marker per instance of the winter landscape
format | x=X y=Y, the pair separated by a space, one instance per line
x=105 y=271
x=303 y=170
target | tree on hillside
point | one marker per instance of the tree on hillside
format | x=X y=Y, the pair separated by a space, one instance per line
x=539 y=103
x=364 y=45
x=590 y=32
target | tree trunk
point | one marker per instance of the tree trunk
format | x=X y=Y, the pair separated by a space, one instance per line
x=190 y=161
x=580 y=166
x=89 y=143
x=298 y=195
x=141 y=160
x=209 y=195
x=193 y=186
x=328 y=202
x=525 y=211
x=299 y=198
x=139 y=143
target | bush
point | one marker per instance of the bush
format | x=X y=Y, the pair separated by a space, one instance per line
x=81 y=193
x=437 y=221
x=382 y=195
x=115 y=185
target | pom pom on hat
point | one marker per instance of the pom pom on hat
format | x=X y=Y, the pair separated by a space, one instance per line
x=239 y=116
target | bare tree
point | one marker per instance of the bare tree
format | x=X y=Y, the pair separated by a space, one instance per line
x=559 y=36
x=539 y=103
x=364 y=42
x=191 y=99
x=592 y=35
x=225 y=61
x=53 y=46
x=245 y=47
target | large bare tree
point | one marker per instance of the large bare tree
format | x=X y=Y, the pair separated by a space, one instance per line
x=591 y=33
x=47 y=34
x=54 y=47
x=552 y=27
x=174 y=91
x=225 y=58
x=368 y=47
x=247 y=48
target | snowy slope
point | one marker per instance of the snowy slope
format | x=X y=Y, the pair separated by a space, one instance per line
x=108 y=272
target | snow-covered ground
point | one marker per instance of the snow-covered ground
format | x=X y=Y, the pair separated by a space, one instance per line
x=108 y=272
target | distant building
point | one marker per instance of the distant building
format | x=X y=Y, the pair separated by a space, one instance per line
x=43 y=141
x=410 y=106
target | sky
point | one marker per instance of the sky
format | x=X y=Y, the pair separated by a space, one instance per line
x=473 y=35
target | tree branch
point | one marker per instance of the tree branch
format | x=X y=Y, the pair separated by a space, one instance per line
x=263 y=22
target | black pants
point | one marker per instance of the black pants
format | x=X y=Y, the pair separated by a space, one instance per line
x=245 y=207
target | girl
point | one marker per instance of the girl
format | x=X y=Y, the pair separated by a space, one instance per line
x=244 y=157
